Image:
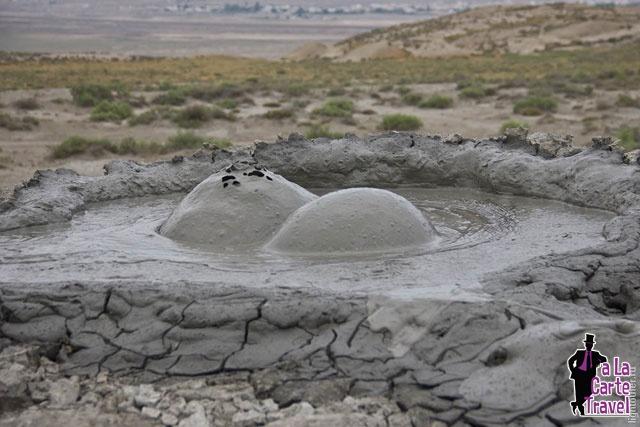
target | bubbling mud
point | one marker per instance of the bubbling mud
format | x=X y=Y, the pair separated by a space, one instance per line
x=235 y=207
x=115 y=241
x=357 y=220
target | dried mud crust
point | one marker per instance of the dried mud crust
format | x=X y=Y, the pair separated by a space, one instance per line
x=482 y=362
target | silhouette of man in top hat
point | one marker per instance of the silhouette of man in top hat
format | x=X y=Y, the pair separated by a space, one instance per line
x=583 y=366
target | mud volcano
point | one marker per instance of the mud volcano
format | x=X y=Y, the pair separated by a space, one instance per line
x=235 y=207
x=481 y=280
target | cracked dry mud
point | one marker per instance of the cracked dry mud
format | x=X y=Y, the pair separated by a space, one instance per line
x=209 y=353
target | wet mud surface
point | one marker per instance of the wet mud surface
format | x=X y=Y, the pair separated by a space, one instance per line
x=483 y=349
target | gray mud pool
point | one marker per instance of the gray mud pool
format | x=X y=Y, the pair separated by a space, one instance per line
x=457 y=296
x=477 y=232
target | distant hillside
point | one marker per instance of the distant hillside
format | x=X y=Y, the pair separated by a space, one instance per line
x=492 y=29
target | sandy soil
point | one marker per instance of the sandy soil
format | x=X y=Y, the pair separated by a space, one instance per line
x=514 y=29
x=24 y=151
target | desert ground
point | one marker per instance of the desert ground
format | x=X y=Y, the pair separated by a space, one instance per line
x=267 y=114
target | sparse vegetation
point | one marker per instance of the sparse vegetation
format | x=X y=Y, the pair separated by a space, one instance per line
x=17 y=123
x=173 y=97
x=90 y=95
x=476 y=91
x=5 y=161
x=437 y=101
x=213 y=93
x=228 y=104
x=280 y=114
x=111 y=111
x=400 y=122
x=627 y=101
x=196 y=115
x=27 y=104
x=554 y=86
x=616 y=68
x=184 y=140
x=513 y=124
x=411 y=98
x=629 y=138
x=337 y=91
x=136 y=147
x=336 y=108
x=190 y=140
x=319 y=131
x=535 y=106
x=295 y=89
x=589 y=124
x=76 y=145
x=144 y=118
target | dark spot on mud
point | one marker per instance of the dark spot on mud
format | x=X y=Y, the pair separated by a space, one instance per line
x=227 y=178
x=269 y=178
x=497 y=357
x=256 y=173
x=236 y=183
x=225 y=185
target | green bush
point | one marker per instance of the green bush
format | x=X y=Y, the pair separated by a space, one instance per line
x=173 y=97
x=476 y=92
x=335 y=108
x=27 y=104
x=278 y=114
x=134 y=146
x=228 y=104
x=192 y=117
x=535 y=106
x=111 y=111
x=512 y=124
x=437 y=101
x=219 y=142
x=318 y=131
x=89 y=95
x=295 y=89
x=401 y=122
x=627 y=101
x=212 y=93
x=17 y=123
x=76 y=145
x=144 y=118
x=629 y=138
x=185 y=140
x=412 y=98
x=298 y=103
x=196 y=115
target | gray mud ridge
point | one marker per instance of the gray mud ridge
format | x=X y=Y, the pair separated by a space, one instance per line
x=491 y=361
